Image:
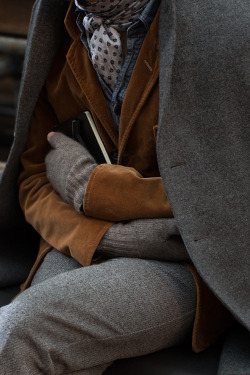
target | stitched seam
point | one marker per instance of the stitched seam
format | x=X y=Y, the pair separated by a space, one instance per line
x=140 y=104
x=135 y=333
x=143 y=330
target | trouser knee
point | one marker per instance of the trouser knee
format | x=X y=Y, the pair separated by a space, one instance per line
x=19 y=326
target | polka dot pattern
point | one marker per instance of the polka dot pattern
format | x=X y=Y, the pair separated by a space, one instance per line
x=103 y=22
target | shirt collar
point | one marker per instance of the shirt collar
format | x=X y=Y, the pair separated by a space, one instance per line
x=149 y=13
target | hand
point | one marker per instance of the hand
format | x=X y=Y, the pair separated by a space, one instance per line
x=144 y=238
x=68 y=168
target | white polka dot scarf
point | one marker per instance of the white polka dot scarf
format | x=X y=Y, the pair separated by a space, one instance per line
x=104 y=21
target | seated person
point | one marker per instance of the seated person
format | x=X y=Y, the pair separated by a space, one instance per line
x=113 y=278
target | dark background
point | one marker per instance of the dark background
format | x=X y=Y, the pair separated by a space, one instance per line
x=14 y=23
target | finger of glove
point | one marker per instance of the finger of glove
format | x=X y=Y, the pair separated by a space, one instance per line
x=65 y=152
x=61 y=140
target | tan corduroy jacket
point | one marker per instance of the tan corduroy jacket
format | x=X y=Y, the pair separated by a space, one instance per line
x=130 y=189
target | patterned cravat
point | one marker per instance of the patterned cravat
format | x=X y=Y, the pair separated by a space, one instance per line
x=103 y=22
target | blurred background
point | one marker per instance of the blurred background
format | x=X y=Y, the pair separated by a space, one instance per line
x=14 y=23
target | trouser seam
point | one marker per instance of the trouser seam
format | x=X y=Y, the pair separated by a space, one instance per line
x=131 y=335
x=142 y=330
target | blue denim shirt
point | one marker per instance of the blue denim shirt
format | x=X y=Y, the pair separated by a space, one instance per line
x=135 y=37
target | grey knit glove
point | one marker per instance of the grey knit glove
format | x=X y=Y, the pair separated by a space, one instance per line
x=68 y=168
x=144 y=238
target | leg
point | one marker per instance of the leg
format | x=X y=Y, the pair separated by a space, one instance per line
x=79 y=321
x=53 y=264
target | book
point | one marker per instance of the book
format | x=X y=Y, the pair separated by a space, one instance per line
x=82 y=128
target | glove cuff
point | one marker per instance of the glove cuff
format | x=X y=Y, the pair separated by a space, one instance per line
x=76 y=182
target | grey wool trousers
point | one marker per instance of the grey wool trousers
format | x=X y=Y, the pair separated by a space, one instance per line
x=78 y=320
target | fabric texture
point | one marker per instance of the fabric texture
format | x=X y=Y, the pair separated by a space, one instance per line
x=68 y=167
x=90 y=316
x=103 y=22
x=202 y=142
x=77 y=235
x=218 y=30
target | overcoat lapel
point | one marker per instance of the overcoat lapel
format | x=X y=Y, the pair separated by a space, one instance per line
x=42 y=43
x=202 y=139
x=18 y=252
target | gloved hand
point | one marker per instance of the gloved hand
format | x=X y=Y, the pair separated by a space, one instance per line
x=68 y=168
x=144 y=238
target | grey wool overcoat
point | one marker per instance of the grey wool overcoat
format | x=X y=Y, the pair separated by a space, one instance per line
x=202 y=144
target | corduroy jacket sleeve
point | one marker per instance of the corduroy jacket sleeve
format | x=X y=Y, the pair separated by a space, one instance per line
x=117 y=193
